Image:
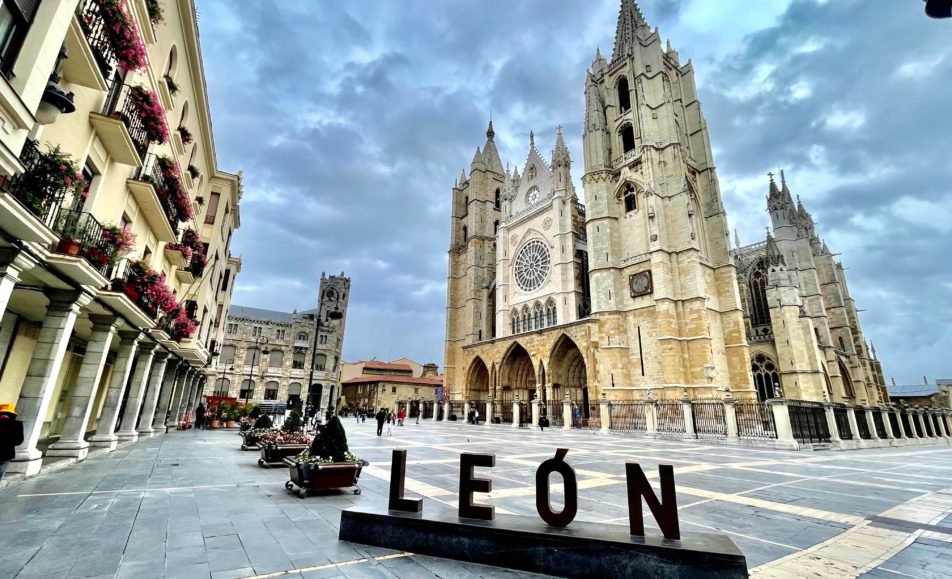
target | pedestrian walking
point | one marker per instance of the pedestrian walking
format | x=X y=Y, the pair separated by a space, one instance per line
x=475 y=416
x=543 y=419
x=401 y=415
x=200 y=416
x=419 y=411
x=381 y=417
x=391 y=418
x=11 y=434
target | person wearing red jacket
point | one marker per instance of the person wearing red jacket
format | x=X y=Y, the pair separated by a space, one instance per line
x=11 y=435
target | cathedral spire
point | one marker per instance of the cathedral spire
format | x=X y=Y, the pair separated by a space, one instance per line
x=774 y=256
x=783 y=188
x=491 y=159
x=630 y=22
x=490 y=133
x=560 y=154
x=736 y=239
x=773 y=194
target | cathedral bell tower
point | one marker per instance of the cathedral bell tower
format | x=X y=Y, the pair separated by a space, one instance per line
x=659 y=251
x=470 y=308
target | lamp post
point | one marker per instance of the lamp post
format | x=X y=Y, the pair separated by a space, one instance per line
x=259 y=341
x=334 y=314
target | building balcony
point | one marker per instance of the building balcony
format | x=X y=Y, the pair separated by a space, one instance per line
x=30 y=201
x=86 y=66
x=120 y=126
x=123 y=297
x=301 y=344
x=193 y=350
x=151 y=192
x=94 y=30
x=82 y=253
x=175 y=257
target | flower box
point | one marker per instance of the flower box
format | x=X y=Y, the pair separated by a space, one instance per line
x=309 y=476
x=276 y=453
x=68 y=246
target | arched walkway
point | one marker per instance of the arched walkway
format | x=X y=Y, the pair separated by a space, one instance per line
x=516 y=372
x=477 y=382
x=567 y=371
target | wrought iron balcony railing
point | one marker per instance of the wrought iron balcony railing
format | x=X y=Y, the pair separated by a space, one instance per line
x=35 y=188
x=82 y=234
x=94 y=26
x=151 y=172
x=120 y=104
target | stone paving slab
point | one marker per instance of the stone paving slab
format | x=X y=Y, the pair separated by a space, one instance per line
x=192 y=504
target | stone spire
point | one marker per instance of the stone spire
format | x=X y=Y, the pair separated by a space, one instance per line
x=599 y=64
x=630 y=22
x=560 y=154
x=477 y=161
x=490 y=158
x=594 y=111
x=736 y=239
x=774 y=256
x=462 y=177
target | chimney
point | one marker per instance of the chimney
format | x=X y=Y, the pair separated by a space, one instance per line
x=430 y=370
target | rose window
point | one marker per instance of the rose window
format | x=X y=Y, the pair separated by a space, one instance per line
x=532 y=265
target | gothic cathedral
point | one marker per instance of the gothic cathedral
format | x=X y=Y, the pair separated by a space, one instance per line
x=638 y=293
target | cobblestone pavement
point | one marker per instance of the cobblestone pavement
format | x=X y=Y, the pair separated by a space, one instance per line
x=191 y=504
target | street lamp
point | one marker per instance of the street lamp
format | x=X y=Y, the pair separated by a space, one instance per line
x=259 y=341
x=334 y=314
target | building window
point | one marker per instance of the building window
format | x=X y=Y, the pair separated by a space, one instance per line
x=497 y=202
x=221 y=387
x=322 y=339
x=766 y=378
x=271 y=390
x=495 y=227
x=630 y=199
x=465 y=233
x=227 y=355
x=256 y=331
x=302 y=337
x=224 y=281
x=757 y=286
x=320 y=361
x=247 y=389
x=251 y=356
x=515 y=323
x=550 y=314
x=526 y=320
x=211 y=212
x=297 y=361
x=537 y=316
x=232 y=328
x=14 y=24
x=279 y=334
x=842 y=344
x=624 y=95
x=276 y=360
x=627 y=138
x=393 y=390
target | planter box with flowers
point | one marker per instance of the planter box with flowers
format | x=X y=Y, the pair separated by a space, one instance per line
x=111 y=30
x=147 y=289
x=277 y=446
x=171 y=192
x=327 y=464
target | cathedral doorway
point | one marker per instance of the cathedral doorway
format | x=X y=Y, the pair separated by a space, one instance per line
x=567 y=371
x=477 y=384
x=516 y=372
x=766 y=377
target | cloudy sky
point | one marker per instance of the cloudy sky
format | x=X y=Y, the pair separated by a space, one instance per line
x=351 y=121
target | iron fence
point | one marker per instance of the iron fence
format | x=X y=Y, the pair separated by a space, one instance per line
x=525 y=415
x=842 y=419
x=121 y=102
x=552 y=409
x=894 y=423
x=861 y=423
x=151 y=172
x=427 y=409
x=670 y=415
x=709 y=418
x=38 y=187
x=505 y=407
x=808 y=420
x=591 y=416
x=81 y=228
x=627 y=416
x=479 y=406
x=878 y=423
x=755 y=420
x=94 y=27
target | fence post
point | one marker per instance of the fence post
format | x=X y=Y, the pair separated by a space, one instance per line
x=489 y=411
x=605 y=411
x=535 y=411
x=831 y=423
x=568 y=420
x=688 y=412
x=651 y=418
x=884 y=412
x=781 y=414
x=516 y=418
x=871 y=423
x=730 y=417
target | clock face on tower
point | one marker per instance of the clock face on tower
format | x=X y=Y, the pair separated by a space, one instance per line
x=640 y=283
x=533 y=197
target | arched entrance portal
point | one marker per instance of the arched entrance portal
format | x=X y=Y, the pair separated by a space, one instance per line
x=567 y=371
x=516 y=372
x=477 y=384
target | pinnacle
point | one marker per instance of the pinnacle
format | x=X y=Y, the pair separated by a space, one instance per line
x=490 y=133
x=532 y=139
x=630 y=21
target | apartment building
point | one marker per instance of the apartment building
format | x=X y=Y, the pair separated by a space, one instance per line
x=115 y=222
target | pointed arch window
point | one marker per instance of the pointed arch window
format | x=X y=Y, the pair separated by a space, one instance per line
x=550 y=315
x=526 y=320
x=627 y=138
x=631 y=202
x=497 y=202
x=465 y=233
x=766 y=377
x=515 y=323
x=537 y=318
x=624 y=95
x=757 y=286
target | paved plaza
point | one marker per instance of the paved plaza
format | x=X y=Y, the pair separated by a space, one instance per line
x=191 y=504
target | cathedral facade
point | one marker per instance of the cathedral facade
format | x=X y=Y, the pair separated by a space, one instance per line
x=638 y=293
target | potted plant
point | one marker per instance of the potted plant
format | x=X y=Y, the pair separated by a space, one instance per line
x=260 y=425
x=121 y=33
x=193 y=171
x=327 y=464
x=156 y=14
x=278 y=445
x=215 y=412
x=183 y=326
x=185 y=134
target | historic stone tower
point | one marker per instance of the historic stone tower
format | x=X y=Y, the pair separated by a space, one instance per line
x=325 y=384
x=470 y=295
x=662 y=278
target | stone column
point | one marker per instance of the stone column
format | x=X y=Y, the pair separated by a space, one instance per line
x=179 y=397
x=466 y=409
x=446 y=410
x=156 y=377
x=12 y=263
x=945 y=421
x=104 y=437
x=831 y=422
x=137 y=386
x=909 y=432
x=782 y=423
x=688 y=412
x=489 y=411
x=605 y=411
x=568 y=418
x=436 y=405
x=945 y=426
x=72 y=441
x=884 y=412
x=40 y=381
x=515 y=412
x=535 y=410
x=169 y=385
x=730 y=416
x=854 y=425
x=651 y=418
x=871 y=423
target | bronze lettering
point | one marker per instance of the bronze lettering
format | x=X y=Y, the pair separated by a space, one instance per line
x=398 y=474
x=664 y=511
x=469 y=484
x=570 y=483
